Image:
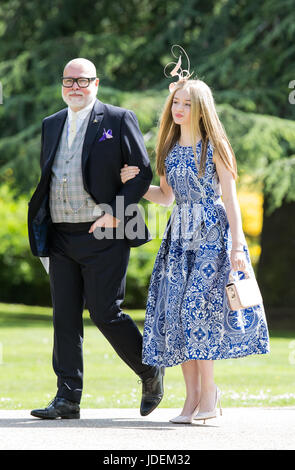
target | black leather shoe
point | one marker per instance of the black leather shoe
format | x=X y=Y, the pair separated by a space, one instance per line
x=152 y=392
x=58 y=408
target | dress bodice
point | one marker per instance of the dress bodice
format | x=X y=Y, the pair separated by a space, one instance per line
x=199 y=206
x=182 y=175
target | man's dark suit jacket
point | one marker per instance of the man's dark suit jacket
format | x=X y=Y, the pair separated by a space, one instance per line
x=101 y=163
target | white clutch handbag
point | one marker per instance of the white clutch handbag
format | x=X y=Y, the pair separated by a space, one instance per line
x=242 y=293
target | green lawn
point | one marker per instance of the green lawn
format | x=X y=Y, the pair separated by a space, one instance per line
x=27 y=379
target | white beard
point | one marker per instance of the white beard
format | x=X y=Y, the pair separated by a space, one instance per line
x=80 y=101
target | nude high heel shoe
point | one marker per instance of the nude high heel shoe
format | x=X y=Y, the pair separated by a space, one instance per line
x=181 y=419
x=203 y=415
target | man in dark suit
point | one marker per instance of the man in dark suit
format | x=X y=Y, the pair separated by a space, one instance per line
x=82 y=217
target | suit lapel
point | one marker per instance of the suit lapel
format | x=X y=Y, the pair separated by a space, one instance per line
x=94 y=124
x=55 y=133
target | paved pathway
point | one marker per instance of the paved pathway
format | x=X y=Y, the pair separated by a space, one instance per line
x=125 y=429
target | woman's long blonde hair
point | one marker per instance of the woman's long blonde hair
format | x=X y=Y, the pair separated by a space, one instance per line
x=202 y=104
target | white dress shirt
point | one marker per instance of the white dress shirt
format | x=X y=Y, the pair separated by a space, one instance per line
x=80 y=115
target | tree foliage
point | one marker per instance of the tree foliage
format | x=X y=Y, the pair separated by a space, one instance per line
x=243 y=49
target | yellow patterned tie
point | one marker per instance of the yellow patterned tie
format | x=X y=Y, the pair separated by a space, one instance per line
x=73 y=129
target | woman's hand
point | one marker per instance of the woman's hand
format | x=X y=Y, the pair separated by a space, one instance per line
x=128 y=172
x=238 y=260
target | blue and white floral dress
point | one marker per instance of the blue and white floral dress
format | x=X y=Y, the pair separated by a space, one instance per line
x=187 y=314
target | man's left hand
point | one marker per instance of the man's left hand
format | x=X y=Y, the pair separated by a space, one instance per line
x=107 y=220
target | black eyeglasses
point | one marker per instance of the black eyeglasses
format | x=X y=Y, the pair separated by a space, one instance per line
x=82 y=82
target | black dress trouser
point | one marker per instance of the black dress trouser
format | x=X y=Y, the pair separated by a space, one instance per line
x=86 y=270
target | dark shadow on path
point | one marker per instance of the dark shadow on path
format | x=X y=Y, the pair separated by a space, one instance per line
x=122 y=423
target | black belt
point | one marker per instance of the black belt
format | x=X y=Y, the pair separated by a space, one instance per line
x=73 y=227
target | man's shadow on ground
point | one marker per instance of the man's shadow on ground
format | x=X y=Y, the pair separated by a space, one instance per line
x=122 y=423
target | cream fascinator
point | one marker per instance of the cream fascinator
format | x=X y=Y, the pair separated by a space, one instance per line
x=183 y=74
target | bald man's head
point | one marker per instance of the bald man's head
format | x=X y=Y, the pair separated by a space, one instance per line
x=75 y=97
x=81 y=64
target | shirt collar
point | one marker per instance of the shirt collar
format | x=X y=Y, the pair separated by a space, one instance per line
x=82 y=114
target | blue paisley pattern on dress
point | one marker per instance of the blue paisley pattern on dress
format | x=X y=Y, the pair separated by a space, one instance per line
x=187 y=313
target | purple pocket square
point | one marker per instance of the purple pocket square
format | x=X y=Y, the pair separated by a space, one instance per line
x=106 y=135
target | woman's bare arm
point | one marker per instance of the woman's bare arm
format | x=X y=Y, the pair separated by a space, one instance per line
x=231 y=203
x=162 y=194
